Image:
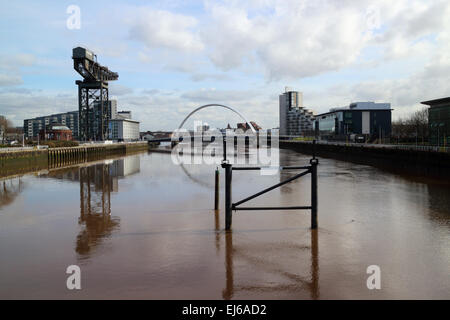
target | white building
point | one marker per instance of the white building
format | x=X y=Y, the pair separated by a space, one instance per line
x=123 y=130
x=124 y=114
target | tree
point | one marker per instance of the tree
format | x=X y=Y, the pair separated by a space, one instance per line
x=5 y=126
x=413 y=128
x=419 y=121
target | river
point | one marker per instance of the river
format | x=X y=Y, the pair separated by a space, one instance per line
x=142 y=227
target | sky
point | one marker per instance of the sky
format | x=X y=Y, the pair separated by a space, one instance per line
x=173 y=56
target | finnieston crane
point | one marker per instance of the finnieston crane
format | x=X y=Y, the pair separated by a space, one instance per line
x=93 y=95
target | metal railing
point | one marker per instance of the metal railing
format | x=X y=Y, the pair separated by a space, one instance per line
x=230 y=206
x=378 y=146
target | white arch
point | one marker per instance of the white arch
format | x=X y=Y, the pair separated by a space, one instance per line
x=217 y=105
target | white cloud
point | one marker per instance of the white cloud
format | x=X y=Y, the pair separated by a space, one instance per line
x=119 y=90
x=408 y=26
x=293 y=40
x=143 y=57
x=18 y=105
x=15 y=61
x=164 y=29
x=10 y=66
x=334 y=51
x=10 y=80
x=210 y=76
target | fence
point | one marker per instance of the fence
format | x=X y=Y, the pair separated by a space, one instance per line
x=230 y=206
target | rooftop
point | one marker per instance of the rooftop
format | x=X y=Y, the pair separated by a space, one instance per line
x=60 y=127
x=436 y=102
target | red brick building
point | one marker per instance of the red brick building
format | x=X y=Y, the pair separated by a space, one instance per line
x=56 y=132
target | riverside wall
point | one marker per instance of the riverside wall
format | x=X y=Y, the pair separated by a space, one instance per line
x=22 y=161
x=434 y=164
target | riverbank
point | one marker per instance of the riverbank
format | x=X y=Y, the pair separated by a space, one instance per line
x=413 y=161
x=22 y=161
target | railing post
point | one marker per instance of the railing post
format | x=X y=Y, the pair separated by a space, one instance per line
x=314 y=203
x=228 y=175
x=228 y=201
x=216 y=190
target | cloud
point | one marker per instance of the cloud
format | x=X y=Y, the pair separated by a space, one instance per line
x=334 y=51
x=209 y=76
x=10 y=80
x=143 y=57
x=119 y=90
x=218 y=96
x=404 y=94
x=17 y=90
x=409 y=27
x=164 y=29
x=151 y=91
x=10 y=66
x=18 y=105
x=17 y=60
x=291 y=41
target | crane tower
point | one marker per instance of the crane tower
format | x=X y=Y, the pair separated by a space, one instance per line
x=92 y=95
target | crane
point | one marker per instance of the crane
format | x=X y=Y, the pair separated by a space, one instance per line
x=93 y=95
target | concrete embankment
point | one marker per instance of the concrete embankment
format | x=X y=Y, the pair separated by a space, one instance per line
x=22 y=161
x=410 y=161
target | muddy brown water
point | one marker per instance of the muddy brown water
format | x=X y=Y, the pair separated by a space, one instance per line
x=142 y=227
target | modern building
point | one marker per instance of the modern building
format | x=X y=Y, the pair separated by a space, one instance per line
x=56 y=132
x=32 y=127
x=95 y=117
x=112 y=109
x=370 y=119
x=124 y=114
x=123 y=130
x=129 y=166
x=295 y=120
x=439 y=121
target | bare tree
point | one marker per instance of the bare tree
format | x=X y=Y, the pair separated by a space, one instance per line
x=5 y=126
x=412 y=129
x=419 y=121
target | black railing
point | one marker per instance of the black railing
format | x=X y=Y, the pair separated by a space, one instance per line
x=230 y=206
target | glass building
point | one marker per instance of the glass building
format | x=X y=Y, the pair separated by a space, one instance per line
x=439 y=121
x=370 y=119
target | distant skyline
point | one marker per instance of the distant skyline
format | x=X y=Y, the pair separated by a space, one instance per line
x=173 y=56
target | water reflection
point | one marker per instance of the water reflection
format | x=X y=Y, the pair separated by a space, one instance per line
x=296 y=282
x=228 y=292
x=439 y=203
x=97 y=182
x=9 y=190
